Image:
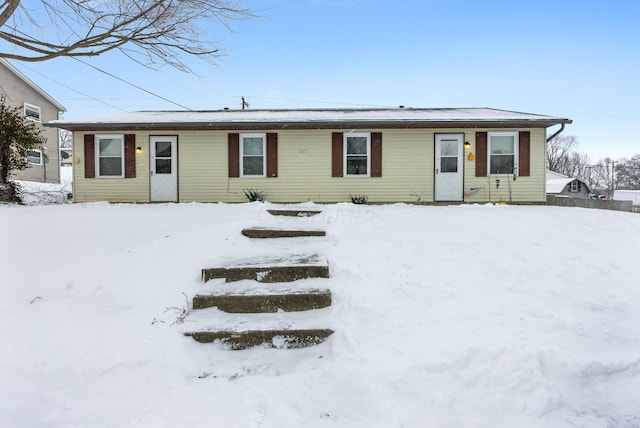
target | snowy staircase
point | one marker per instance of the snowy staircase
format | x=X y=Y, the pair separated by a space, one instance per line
x=294 y=213
x=261 y=290
x=268 y=232
x=276 y=269
x=290 y=301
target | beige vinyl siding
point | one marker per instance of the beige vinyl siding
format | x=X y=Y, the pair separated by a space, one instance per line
x=524 y=189
x=111 y=189
x=304 y=170
x=202 y=167
x=17 y=93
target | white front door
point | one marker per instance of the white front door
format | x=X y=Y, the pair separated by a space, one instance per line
x=164 y=171
x=448 y=165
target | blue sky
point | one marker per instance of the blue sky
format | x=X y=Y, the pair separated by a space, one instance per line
x=568 y=58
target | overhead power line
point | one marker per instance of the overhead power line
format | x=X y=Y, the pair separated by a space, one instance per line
x=73 y=89
x=132 y=84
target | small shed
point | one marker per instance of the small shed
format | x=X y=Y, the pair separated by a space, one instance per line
x=562 y=185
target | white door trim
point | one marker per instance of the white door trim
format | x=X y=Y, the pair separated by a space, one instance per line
x=163 y=168
x=449 y=164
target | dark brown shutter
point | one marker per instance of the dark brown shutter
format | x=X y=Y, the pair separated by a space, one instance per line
x=129 y=156
x=524 y=153
x=337 y=154
x=89 y=156
x=234 y=154
x=376 y=154
x=272 y=154
x=481 y=154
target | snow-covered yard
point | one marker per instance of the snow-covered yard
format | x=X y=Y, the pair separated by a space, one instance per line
x=460 y=316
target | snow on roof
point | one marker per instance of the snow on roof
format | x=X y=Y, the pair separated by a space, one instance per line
x=418 y=116
x=556 y=185
x=553 y=175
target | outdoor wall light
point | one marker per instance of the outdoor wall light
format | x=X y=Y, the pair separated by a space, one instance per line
x=138 y=149
x=467 y=145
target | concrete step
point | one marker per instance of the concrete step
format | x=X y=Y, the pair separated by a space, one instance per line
x=281 y=338
x=276 y=269
x=268 y=232
x=294 y=213
x=294 y=301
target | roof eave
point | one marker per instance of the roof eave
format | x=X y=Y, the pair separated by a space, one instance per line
x=309 y=124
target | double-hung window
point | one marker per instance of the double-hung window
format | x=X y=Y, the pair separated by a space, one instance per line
x=252 y=155
x=574 y=186
x=357 y=150
x=34 y=157
x=503 y=148
x=32 y=112
x=110 y=156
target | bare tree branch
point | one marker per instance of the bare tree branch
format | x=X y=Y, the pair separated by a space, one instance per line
x=148 y=31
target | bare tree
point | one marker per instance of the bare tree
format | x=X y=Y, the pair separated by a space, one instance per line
x=629 y=172
x=65 y=137
x=150 y=32
x=559 y=152
x=606 y=174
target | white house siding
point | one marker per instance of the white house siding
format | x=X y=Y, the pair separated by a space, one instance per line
x=304 y=170
x=17 y=92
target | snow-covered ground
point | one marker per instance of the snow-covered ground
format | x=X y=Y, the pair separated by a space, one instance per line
x=458 y=316
x=34 y=193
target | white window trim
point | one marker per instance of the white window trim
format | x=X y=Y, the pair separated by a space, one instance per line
x=34 y=108
x=344 y=155
x=98 y=137
x=264 y=155
x=515 y=135
x=41 y=154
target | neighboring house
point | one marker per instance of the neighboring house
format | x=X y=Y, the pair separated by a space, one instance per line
x=36 y=105
x=390 y=155
x=561 y=185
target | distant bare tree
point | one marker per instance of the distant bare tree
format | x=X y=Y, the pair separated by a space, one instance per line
x=65 y=137
x=559 y=150
x=606 y=175
x=563 y=158
x=629 y=172
x=150 y=32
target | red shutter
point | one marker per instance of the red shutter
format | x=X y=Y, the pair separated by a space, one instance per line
x=481 y=154
x=376 y=154
x=89 y=156
x=234 y=154
x=272 y=154
x=524 y=153
x=129 y=156
x=337 y=154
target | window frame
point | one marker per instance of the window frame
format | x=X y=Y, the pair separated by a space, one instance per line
x=263 y=136
x=345 y=155
x=575 y=186
x=98 y=137
x=37 y=151
x=515 y=135
x=35 y=108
